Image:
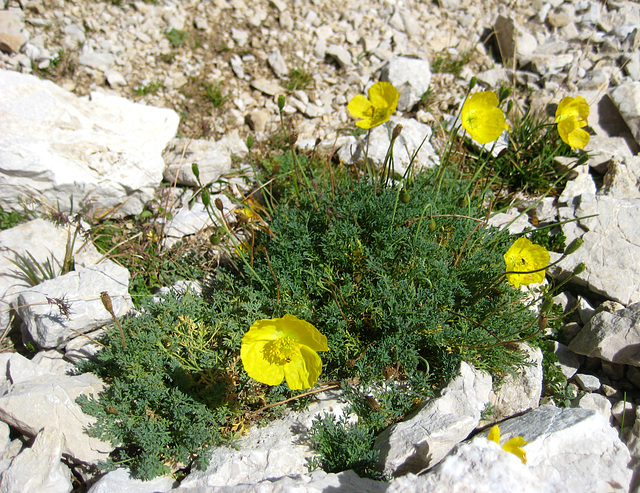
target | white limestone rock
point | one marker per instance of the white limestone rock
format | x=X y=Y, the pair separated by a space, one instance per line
x=38 y=468
x=428 y=434
x=627 y=98
x=574 y=449
x=568 y=361
x=35 y=398
x=13 y=34
x=596 y=402
x=50 y=247
x=120 y=481
x=410 y=76
x=270 y=452
x=611 y=248
x=413 y=135
x=613 y=337
x=477 y=466
x=213 y=159
x=104 y=152
x=49 y=327
x=520 y=393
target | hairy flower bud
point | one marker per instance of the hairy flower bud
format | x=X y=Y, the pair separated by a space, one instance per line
x=573 y=246
x=196 y=170
x=281 y=102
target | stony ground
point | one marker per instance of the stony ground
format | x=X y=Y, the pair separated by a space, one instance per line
x=221 y=63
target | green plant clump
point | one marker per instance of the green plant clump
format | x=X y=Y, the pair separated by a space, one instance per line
x=169 y=394
x=405 y=284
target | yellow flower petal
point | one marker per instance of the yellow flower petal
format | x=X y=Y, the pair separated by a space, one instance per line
x=514 y=445
x=279 y=348
x=303 y=371
x=382 y=102
x=494 y=434
x=481 y=117
x=524 y=256
x=303 y=332
x=257 y=367
x=359 y=107
x=571 y=116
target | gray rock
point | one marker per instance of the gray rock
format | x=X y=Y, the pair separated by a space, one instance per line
x=213 y=159
x=568 y=361
x=340 y=54
x=596 y=402
x=414 y=137
x=478 y=466
x=315 y=482
x=38 y=468
x=622 y=179
x=277 y=64
x=569 y=447
x=50 y=248
x=12 y=32
x=49 y=326
x=587 y=382
x=613 y=337
x=30 y=386
x=410 y=76
x=623 y=412
x=273 y=451
x=633 y=442
x=105 y=153
x=428 y=434
x=269 y=87
x=627 y=98
x=520 y=393
x=121 y=481
x=99 y=61
x=610 y=226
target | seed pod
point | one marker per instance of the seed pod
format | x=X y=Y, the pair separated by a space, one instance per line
x=293 y=138
x=405 y=197
x=206 y=197
x=573 y=246
x=219 y=205
x=579 y=269
x=397 y=130
x=547 y=304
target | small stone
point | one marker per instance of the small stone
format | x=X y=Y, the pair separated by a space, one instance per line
x=277 y=64
x=115 y=78
x=587 y=382
x=99 y=61
x=257 y=120
x=597 y=402
x=269 y=87
x=339 y=54
x=626 y=409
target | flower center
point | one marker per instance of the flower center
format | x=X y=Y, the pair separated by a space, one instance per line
x=281 y=351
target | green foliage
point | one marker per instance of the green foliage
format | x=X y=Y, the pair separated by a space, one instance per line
x=403 y=289
x=342 y=445
x=169 y=394
x=9 y=219
x=298 y=78
x=33 y=271
x=529 y=163
x=553 y=239
x=214 y=93
x=177 y=37
x=148 y=88
x=446 y=63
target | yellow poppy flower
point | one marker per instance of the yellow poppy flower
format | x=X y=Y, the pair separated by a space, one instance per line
x=283 y=348
x=382 y=102
x=481 y=117
x=571 y=116
x=513 y=446
x=524 y=256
